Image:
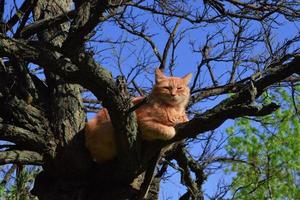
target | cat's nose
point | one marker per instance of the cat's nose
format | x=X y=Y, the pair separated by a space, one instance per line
x=173 y=92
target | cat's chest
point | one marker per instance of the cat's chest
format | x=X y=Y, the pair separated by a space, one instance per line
x=166 y=115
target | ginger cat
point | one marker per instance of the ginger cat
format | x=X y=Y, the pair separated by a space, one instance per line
x=156 y=118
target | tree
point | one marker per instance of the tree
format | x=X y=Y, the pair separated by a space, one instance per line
x=271 y=151
x=53 y=54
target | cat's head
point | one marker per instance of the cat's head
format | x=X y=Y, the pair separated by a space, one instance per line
x=171 y=90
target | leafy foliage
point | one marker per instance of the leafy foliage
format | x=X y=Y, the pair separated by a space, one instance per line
x=270 y=148
x=20 y=184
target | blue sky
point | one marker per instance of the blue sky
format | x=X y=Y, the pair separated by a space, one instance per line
x=186 y=61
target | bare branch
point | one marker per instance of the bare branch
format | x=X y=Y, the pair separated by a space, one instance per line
x=168 y=45
x=91 y=101
x=25 y=18
x=130 y=29
x=27 y=4
x=176 y=13
x=89 y=15
x=8 y=174
x=149 y=175
x=33 y=28
x=2 y=3
x=22 y=137
x=194 y=190
x=236 y=106
x=21 y=157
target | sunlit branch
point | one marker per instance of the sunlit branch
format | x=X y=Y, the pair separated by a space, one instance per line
x=20 y=157
x=168 y=44
x=39 y=25
x=238 y=105
x=19 y=14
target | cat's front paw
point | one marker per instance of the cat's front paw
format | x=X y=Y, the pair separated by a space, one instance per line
x=184 y=118
x=168 y=133
x=179 y=119
x=157 y=131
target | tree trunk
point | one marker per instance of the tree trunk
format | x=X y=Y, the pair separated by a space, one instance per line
x=71 y=173
x=78 y=177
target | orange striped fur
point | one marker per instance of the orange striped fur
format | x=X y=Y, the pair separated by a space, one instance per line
x=156 y=118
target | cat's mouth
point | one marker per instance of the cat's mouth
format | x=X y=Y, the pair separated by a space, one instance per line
x=175 y=98
x=172 y=99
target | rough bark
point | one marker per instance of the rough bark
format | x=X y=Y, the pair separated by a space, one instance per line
x=72 y=174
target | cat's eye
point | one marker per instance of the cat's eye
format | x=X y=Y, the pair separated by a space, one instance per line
x=179 y=88
x=166 y=87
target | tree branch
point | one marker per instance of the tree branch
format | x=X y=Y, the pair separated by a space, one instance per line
x=89 y=15
x=21 y=157
x=186 y=178
x=168 y=45
x=95 y=78
x=24 y=115
x=2 y=3
x=14 y=19
x=22 y=137
x=25 y=18
x=130 y=29
x=236 y=106
x=8 y=174
x=39 y=25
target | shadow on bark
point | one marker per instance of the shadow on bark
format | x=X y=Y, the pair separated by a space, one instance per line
x=73 y=175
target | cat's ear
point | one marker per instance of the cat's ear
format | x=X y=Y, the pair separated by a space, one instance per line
x=159 y=76
x=187 y=78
